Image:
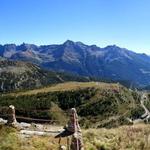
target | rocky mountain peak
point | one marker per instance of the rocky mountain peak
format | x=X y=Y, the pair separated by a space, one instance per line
x=69 y=43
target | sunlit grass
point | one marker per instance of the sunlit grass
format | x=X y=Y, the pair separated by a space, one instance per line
x=9 y=139
x=122 y=138
x=135 y=137
x=67 y=86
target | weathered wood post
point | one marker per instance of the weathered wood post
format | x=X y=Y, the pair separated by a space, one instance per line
x=77 y=139
x=11 y=116
x=73 y=129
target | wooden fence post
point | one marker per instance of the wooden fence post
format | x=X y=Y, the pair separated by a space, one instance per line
x=11 y=116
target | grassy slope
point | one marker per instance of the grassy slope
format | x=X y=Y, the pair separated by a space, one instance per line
x=68 y=86
x=98 y=104
x=122 y=138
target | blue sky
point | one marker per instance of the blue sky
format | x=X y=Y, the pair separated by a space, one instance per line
x=125 y=23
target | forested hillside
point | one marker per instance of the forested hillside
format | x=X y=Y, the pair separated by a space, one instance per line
x=98 y=104
x=17 y=75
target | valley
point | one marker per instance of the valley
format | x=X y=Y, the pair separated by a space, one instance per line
x=109 y=115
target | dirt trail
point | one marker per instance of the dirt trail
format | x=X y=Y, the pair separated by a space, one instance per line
x=27 y=129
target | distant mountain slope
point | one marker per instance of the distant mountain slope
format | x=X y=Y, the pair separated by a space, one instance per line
x=17 y=75
x=110 y=62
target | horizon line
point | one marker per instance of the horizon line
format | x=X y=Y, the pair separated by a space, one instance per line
x=61 y=43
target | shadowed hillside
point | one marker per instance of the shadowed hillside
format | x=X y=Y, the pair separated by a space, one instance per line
x=16 y=75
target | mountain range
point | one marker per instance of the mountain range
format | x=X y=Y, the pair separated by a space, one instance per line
x=111 y=62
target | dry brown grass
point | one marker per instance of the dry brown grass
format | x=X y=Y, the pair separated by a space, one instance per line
x=42 y=143
x=135 y=137
x=67 y=87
